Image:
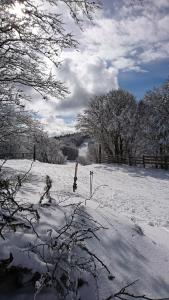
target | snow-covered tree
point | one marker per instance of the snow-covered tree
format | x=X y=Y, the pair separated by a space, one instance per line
x=15 y=121
x=153 y=121
x=110 y=120
x=23 y=137
x=32 y=34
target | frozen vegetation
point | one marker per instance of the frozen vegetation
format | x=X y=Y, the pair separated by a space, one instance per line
x=129 y=210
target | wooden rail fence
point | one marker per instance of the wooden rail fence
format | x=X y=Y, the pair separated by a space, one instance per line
x=19 y=155
x=161 y=162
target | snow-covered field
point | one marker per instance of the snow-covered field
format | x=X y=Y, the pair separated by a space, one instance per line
x=132 y=203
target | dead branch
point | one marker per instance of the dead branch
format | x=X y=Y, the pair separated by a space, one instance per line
x=2 y=164
x=47 y=190
x=14 y=213
x=123 y=294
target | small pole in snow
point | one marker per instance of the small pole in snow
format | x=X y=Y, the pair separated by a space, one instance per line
x=91 y=183
x=75 y=178
x=34 y=152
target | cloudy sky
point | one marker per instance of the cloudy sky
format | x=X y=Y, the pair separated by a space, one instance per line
x=126 y=47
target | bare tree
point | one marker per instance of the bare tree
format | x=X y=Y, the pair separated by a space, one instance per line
x=15 y=121
x=29 y=39
x=32 y=36
x=153 y=120
x=110 y=120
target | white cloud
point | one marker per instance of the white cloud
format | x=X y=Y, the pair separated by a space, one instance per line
x=116 y=40
x=57 y=125
x=83 y=74
x=122 y=38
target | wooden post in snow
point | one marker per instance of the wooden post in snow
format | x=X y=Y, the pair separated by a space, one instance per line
x=34 y=152
x=75 y=178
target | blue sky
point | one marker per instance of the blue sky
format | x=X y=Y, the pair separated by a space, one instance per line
x=139 y=83
x=127 y=46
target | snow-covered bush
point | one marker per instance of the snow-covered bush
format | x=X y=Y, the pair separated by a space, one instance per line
x=14 y=214
x=29 y=138
x=69 y=261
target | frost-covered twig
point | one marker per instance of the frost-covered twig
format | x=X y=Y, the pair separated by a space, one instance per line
x=2 y=165
x=47 y=190
x=66 y=254
x=124 y=294
x=14 y=213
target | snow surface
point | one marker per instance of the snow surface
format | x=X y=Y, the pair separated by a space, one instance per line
x=132 y=203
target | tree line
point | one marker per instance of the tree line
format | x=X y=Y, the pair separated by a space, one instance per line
x=22 y=134
x=124 y=127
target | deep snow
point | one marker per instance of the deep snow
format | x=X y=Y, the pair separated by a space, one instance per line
x=124 y=198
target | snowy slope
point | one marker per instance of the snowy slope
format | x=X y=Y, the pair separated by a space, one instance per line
x=132 y=203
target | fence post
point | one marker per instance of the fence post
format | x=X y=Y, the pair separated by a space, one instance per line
x=75 y=178
x=100 y=154
x=34 y=152
x=143 y=161
x=165 y=163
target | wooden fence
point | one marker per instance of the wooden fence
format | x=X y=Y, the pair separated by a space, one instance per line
x=17 y=155
x=28 y=154
x=161 y=162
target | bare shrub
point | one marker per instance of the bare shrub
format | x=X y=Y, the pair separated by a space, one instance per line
x=14 y=213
